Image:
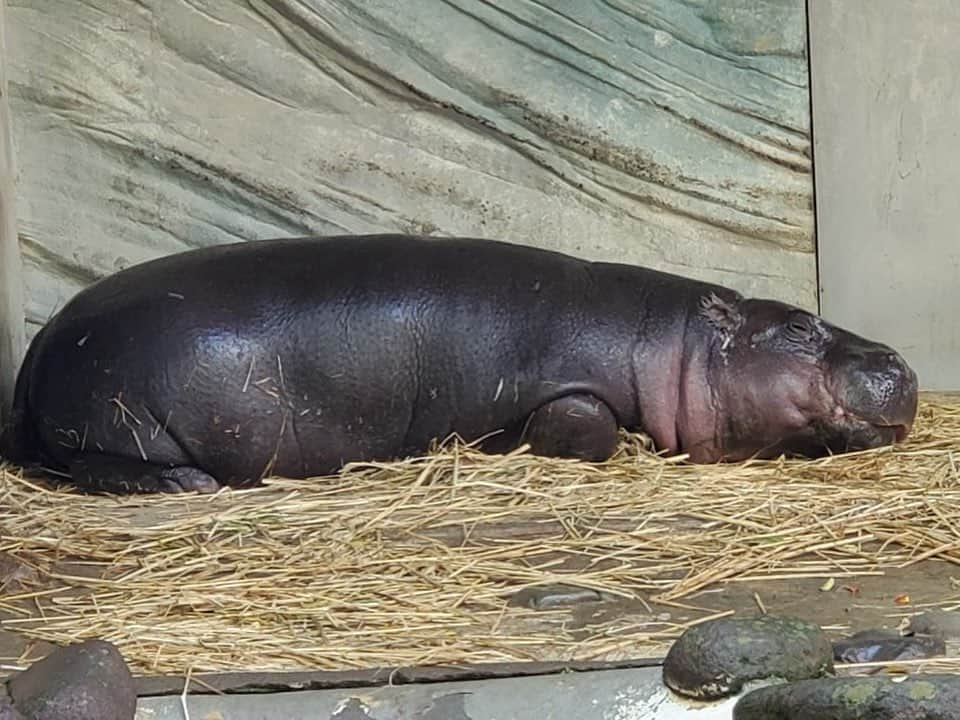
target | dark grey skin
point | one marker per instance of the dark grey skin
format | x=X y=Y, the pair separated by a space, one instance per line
x=291 y=357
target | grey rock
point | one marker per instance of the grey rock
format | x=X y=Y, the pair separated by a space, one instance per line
x=549 y=596
x=940 y=623
x=86 y=681
x=8 y=711
x=886 y=646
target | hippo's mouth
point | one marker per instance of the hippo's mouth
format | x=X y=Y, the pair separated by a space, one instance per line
x=850 y=431
x=864 y=433
x=882 y=426
x=897 y=433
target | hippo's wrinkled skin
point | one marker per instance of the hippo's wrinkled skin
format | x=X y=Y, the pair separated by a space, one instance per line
x=291 y=357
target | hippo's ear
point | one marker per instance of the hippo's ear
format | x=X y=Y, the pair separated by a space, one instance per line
x=722 y=315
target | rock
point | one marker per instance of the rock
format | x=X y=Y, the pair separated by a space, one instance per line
x=939 y=623
x=15 y=574
x=86 y=681
x=544 y=597
x=8 y=711
x=714 y=659
x=886 y=646
x=918 y=697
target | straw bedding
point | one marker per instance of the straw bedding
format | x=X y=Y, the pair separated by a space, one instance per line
x=416 y=562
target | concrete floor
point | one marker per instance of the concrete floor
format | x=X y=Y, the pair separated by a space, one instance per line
x=633 y=694
x=841 y=612
x=598 y=694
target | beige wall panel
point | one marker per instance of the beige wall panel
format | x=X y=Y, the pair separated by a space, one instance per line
x=886 y=104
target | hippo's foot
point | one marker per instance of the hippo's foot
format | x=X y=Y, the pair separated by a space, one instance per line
x=579 y=426
x=95 y=473
x=188 y=479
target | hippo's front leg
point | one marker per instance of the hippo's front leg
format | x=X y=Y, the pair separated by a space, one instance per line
x=94 y=472
x=578 y=426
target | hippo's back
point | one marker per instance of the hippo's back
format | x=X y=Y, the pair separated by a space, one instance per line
x=259 y=278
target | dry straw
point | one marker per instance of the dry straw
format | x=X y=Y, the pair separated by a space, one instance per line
x=415 y=562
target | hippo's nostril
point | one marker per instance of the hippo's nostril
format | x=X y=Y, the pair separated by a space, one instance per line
x=895 y=363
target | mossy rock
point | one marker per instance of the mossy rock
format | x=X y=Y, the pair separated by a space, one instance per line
x=714 y=659
x=918 y=697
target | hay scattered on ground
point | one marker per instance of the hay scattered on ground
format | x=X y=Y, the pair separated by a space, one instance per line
x=409 y=563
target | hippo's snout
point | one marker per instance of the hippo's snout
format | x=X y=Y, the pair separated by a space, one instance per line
x=878 y=387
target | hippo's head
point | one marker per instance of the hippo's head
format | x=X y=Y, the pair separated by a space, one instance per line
x=786 y=381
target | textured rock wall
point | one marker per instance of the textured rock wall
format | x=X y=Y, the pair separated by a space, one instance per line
x=11 y=282
x=672 y=133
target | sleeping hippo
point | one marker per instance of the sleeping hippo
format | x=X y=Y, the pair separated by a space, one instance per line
x=292 y=357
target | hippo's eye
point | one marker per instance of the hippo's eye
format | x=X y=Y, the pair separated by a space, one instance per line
x=800 y=329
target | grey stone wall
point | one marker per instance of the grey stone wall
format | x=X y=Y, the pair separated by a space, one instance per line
x=668 y=132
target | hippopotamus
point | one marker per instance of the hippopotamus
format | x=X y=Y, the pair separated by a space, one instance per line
x=292 y=357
